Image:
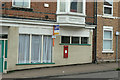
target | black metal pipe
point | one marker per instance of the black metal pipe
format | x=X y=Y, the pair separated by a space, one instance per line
x=95 y=33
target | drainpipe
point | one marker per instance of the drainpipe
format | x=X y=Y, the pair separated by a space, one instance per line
x=117 y=34
x=95 y=36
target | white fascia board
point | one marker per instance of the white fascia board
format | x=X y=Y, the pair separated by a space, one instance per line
x=36 y=23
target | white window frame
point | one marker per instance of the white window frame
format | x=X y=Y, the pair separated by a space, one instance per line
x=67 y=10
x=20 y=6
x=71 y=40
x=108 y=7
x=31 y=47
x=108 y=28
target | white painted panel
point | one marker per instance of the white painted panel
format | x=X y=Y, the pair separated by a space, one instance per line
x=70 y=19
x=45 y=31
x=3 y=30
x=64 y=31
x=75 y=32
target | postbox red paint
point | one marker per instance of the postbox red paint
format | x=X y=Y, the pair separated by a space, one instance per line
x=65 y=51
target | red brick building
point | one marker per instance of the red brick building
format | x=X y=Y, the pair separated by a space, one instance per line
x=26 y=39
x=107 y=25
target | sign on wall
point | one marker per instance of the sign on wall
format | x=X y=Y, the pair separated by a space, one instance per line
x=56 y=30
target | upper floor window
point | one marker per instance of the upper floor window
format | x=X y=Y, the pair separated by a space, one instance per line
x=21 y=3
x=108 y=7
x=74 y=6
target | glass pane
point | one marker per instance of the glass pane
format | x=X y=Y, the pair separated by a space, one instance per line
x=84 y=40
x=18 y=3
x=65 y=39
x=36 y=49
x=107 y=44
x=108 y=2
x=5 y=36
x=107 y=34
x=62 y=6
x=75 y=40
x=24 y=47
x=107 y=10
x=26 y=3
x=47 y=49
x=0 y=50
x=76 y=6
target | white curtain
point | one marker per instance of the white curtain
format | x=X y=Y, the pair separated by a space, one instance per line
x=21 y=3
x=36 y=49
x=18 y=3
x=47 y=49
x=26 y=3
x=24 y=47
x=62 y=5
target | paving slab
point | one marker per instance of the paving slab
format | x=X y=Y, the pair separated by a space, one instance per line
x=64 y=70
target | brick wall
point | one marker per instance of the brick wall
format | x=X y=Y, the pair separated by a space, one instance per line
x=106 y=22
x=90 y=11
x=119 y=31
x=37 y=10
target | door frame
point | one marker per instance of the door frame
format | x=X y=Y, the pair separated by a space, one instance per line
x=4 y=54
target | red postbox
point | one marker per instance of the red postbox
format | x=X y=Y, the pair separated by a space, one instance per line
x=65 y=51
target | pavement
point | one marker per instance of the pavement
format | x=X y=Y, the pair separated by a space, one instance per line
x=107 y=74
x=62 y=71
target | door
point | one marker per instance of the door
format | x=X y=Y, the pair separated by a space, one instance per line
x=1 y=55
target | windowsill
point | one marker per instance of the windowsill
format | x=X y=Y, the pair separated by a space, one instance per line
x=71 y=13
x=107 y=51
x=21 y=9
x=108 y=16
x=32 y=63
x=75 y=44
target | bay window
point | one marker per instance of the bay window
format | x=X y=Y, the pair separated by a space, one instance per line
x=74 y=6
x=107 y=39
x=62 y=6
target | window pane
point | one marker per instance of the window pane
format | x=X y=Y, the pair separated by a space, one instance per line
x=76 y=6
x=84 y=40
x=24 y=45
x=108 y=2
x=107 y=34
x=18 y=3
x=5 y=36
x=62 y=6
x=47 y=49
x=75 y=40
x=65 y=39
x=107 y=44
x=107 y=10
x=36 y=49
x=26 y=3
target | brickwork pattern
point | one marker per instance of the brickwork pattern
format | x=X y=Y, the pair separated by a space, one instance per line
x=39 y=11
x=106 y=22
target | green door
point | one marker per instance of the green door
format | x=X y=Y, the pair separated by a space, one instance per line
x=1 y=55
